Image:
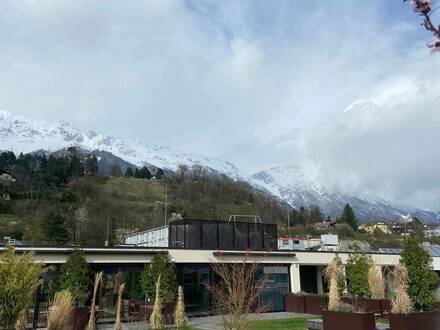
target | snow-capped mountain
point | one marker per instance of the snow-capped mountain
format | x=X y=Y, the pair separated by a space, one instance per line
x=289 y=183
x=294 y=186
x=22 y=134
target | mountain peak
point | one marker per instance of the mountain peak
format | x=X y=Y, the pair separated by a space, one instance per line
x=23 y=134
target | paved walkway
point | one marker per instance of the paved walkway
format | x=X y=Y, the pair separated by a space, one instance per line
x=207 y=322
x=213 y=322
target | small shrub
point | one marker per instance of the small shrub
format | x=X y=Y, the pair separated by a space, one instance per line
x=60 y=310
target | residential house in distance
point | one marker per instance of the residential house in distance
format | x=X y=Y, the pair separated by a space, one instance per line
x=327 y=242
x=370 y=228
x=298 y=243
x=431 y=231
x=408 y=227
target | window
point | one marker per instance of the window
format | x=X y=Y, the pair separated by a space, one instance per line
x=225 y=236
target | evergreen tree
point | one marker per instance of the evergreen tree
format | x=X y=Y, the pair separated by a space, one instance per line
x=129 y=172
x=116 y=170
x=76 y=168
x=422 y=279
x=7 y=161
x=160 y=265
x=137 y=173
x=299 y=216
x=348 y=217
x=356 y=270
x=145 y=173
x=54 y=228
x=76 y=276
x=315 y=215
x=91 y=165
x=158 y=174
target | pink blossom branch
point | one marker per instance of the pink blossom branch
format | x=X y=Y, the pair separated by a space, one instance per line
x=423 y=8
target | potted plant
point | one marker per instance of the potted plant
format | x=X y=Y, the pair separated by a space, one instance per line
x=376 y=282
x=76 y=276
x=415 y=286
x=340 y=316
x=162 y=266
x=366 y=285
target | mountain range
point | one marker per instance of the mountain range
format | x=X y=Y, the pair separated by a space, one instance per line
x=290 y=183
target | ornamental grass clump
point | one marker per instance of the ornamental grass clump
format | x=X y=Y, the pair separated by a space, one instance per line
x=19 y=278
x=98 y=279
x=121 y=289
x=157 y=320
x=333 y=272
x=376 y=282
x=179 y=314
x=60 y=310
x=401 y=302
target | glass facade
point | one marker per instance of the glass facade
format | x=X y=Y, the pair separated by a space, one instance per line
x=196 y=279
x=213 y=235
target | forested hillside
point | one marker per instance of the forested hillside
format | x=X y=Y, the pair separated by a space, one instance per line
x=62 y=199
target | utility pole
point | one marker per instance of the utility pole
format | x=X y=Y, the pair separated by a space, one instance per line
x=108 y=229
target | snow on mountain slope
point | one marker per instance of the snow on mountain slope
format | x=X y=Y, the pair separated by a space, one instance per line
x=22 y=134
x=294 y=186
x=290 y=183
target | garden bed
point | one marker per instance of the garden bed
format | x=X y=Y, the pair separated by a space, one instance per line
x=348 y=321
x=415 y=321
x=295 y=303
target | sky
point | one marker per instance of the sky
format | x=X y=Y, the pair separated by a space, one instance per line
x=345 y=89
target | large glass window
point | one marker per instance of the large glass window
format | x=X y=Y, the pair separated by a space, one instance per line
x=241 y=235
x=270 y=236
x=212 y=235
x=195 y=280
x=193 y=234
x=255 y=236
x=176 y=235
x=209 y=235
x=225 y=236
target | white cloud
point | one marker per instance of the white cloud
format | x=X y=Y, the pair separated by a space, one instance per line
x=248 y=81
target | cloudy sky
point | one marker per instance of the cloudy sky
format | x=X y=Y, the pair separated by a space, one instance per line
x=345 y=88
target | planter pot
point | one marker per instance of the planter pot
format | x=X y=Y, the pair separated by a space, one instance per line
x=295 y=303
x=315 y=304
x=365 y=304
x=168 y=312
x=415 y=321
x=348 y=321
x=80 y=318
x=385 y=306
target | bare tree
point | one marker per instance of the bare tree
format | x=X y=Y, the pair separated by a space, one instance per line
x=426 y=8
x=238 y=292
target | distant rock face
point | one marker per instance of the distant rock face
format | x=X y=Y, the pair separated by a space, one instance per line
x=300 y=189
x=290 y=183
